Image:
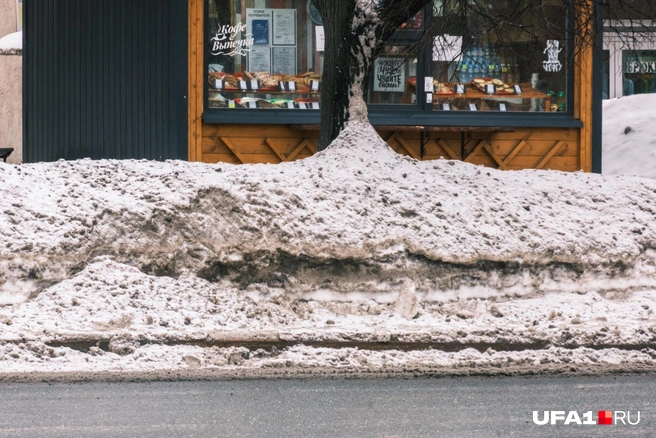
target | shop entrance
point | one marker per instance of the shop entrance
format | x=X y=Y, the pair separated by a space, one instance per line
x=105 y=79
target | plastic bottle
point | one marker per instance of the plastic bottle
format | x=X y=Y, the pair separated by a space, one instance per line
x=515 y=70
x=488 y=64
x=464 y=69
x=476 y=65
x=497 y=67
x=505 y=77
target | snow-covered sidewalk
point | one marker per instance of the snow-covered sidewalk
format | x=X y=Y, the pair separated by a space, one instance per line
x=139 y=266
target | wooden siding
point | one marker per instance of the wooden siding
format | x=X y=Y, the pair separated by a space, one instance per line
x=583 y=98
x=195 y=66
x=527 y=148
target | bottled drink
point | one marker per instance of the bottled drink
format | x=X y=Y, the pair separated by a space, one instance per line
x=464 y=70
x=504 y=72
x=477 y=67
x=497 y=68
x=515 y=70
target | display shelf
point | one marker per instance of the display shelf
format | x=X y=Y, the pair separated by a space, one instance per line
x=274 y=92
x=474 y=93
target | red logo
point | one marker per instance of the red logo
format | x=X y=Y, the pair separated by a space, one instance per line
x=605 y=417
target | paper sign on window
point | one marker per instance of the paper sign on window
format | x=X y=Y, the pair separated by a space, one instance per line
x=389 y=75
x=447 y=48
x=321 y=39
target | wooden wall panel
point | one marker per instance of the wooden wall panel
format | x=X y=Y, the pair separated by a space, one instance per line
x=524 y=148
x=195 y=71
x=583 y=96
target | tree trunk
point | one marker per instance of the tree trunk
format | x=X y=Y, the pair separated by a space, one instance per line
x=355 y=32
x=337 y=16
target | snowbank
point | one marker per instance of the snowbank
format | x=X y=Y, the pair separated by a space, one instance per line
x=629 y=140
x=116 y=265
x=12 y=42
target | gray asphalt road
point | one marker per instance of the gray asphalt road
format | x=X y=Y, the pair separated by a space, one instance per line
x=469 y=407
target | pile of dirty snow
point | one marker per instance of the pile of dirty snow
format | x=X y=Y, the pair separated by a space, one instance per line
x=134 y=265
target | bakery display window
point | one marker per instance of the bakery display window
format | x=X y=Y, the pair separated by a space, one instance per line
x=499 y=56
x=263 y=54
x=490 y=56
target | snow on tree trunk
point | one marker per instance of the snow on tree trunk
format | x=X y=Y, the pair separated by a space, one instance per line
x=363 y=48
x=355 y=32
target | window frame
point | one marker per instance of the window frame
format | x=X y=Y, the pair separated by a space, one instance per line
x=419 y=113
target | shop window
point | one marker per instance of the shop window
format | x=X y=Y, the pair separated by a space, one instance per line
x=263 y=54
x=498 y=55
x=488 y=56
x=639 y=71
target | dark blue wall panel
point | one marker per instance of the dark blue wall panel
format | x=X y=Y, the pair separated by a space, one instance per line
x=105 y=79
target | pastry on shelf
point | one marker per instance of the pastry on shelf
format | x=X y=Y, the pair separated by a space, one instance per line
x=229 y=80
x=500 y=86
x=266 y=79
x=441 y=88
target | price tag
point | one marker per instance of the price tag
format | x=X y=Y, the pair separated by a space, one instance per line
x=315 y=105
x=291 y=85
x=254 y=85
x=243 y=85
x=281 y=85
x=302 y=105
x=518 y=89
x=446 y=107
x=218 y=84
x=490 y=89
x=252 y=104
x=290 y=105
x=472 y=107
x=502 y=107
x=314 y=85
x=428 y=85
x=231 y=104
x=460 y=89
